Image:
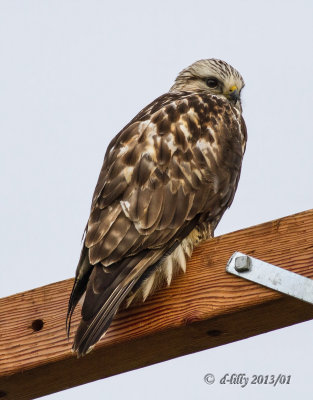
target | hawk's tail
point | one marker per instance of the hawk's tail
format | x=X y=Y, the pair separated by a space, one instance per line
x=107 y=288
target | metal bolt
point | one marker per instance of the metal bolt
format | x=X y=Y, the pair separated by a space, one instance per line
x=242 y=264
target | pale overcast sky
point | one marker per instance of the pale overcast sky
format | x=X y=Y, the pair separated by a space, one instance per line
x=73 y=73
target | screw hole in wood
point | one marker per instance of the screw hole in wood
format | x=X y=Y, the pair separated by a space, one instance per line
x=37 y=325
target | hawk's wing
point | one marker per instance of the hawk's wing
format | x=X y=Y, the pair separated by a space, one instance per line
x=161 y=174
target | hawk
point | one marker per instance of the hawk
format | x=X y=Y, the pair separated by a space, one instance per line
x=166 y=180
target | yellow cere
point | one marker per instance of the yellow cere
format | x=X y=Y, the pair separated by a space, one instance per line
x=233 y=88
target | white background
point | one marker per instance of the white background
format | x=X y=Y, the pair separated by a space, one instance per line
x=73 y=73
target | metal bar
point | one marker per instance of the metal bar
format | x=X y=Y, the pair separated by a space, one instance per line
x=271 y=276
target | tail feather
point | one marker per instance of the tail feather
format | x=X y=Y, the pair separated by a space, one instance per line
x=106 y=290
x=79 y=287
x=89 y=333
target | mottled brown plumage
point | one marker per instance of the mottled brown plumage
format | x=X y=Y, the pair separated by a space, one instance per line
x=167 y=178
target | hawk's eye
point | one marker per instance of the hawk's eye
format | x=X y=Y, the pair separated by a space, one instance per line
x=212 y=83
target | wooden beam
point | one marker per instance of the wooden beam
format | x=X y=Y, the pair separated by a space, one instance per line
x=204 y=308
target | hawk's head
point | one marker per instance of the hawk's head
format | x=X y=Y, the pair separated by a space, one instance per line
x=213 y=76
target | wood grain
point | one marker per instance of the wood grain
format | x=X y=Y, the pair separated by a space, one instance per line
x=204 y=308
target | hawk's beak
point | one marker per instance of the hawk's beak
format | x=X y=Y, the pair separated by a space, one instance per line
x=233 y=94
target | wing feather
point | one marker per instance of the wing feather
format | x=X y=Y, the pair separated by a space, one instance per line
x=99 y=224
x=103 y=249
